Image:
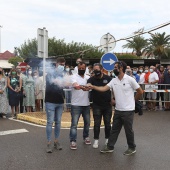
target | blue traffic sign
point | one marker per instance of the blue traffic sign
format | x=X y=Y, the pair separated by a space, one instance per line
x=108 y=60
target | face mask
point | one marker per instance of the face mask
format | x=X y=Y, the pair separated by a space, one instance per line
x=35 y=76
x=97 y=73
x=77 y=62
x=116 y=72
x=19 y=70
x=81 y=72
x=0 y=72
x=128 y=73
x=29 y=72
x=67 y=69
x=151 y=70
x=60 y=68
x=13 y=73
x=134 y=72
x=146 y=71
x=141 y=71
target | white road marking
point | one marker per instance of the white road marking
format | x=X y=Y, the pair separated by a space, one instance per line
x=9 y=132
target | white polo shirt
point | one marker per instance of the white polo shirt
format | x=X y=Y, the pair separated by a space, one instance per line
x=124 y=92
x=142 y=78
x=153 y=77
x=79 y=97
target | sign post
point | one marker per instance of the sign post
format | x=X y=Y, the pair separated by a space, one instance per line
x=107 y=42
x=42 y=37
x=108 y=60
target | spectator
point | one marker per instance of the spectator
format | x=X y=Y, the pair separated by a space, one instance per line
x=160 y=71
x=3 y=96
x=54 y=100
x=151 y=96
x=147 y=73
x=79 y=105
x=167 y=87
x=38 y=90
x=137 y=77
x=90 y=67
x=101 y=104
x=14 y=88
x=29 y=90
x=142 y=75
x=76 y=68
x=68 y=74
x=22 y=76
x=129 y=72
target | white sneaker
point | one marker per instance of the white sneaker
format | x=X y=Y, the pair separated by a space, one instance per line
x=96 y=144
x=106 y=141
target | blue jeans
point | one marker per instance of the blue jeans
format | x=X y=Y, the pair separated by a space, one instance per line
x=54 y=113
x=76 y=111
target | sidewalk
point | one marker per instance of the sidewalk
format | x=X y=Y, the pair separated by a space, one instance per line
x=40 y=119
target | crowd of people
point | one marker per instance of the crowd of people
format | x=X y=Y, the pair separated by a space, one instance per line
x=81 y=86
x=20 y=91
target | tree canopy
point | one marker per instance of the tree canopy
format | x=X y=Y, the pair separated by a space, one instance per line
x=137 y=44
x=15 y=60
x=59 y=48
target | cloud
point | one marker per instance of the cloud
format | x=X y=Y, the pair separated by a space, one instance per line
x=78 y=20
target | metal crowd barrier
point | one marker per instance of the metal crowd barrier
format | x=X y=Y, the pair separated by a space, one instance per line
x=156 y=92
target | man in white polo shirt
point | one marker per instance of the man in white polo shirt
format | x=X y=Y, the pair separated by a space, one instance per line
x=123 y=87
x=153 y=79
x=79 y=105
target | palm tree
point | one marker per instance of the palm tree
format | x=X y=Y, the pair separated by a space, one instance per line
x=137 y=44
x=158 y=45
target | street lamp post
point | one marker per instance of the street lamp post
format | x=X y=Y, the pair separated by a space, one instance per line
x=0 y=37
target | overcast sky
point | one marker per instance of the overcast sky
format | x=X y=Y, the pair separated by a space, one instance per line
x=79 y=20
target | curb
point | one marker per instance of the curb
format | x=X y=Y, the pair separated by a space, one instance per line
x=39 y=121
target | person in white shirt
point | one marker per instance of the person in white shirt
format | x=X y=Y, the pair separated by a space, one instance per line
x=80 y=105
x=123 y=87
x=153 y=79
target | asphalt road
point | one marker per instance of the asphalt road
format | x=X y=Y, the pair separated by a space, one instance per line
x=26 y=151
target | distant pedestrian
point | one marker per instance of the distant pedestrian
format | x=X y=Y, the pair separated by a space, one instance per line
x=29 y=90
x=3 y=95
x=14 y=88
x=38 y=90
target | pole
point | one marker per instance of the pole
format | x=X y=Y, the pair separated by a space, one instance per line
x=44 y=70
x=0 y=37
x=107 y=41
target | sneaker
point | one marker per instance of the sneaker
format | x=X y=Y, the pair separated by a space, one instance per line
x=87 y=141
x=49 y=148
x=106 y=149
x=96 y=144
x=73 y=145
x=57 y=146
x=130 y=151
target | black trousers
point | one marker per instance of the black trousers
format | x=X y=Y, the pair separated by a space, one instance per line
x=98 y=113
x=122 y=118
x=21 y=103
